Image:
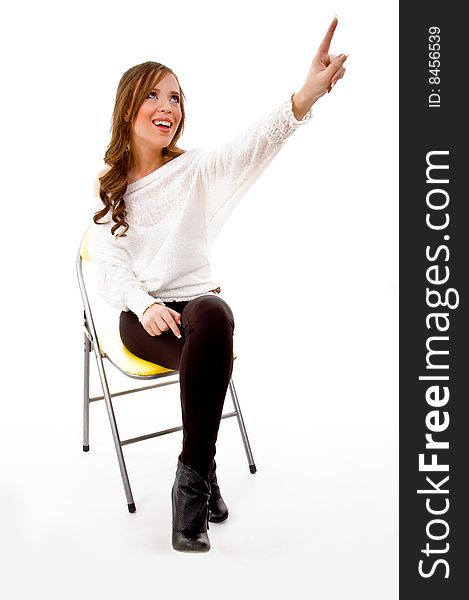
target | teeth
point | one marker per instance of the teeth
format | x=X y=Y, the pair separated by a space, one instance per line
x=167 y=123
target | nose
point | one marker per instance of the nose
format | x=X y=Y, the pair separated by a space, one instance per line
x=164 y=106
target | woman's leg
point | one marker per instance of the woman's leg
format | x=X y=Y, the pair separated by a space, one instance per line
x=205 y=370
x=204 y=358
x=164 y=350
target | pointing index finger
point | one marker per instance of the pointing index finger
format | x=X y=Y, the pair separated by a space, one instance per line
x=326 y=42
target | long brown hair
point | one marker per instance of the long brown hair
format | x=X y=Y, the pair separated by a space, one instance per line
x=133 y=89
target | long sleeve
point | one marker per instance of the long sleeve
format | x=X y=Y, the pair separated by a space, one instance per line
x=234 y=166
x=116 y=282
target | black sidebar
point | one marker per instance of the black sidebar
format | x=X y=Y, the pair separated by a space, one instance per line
x=434 y=316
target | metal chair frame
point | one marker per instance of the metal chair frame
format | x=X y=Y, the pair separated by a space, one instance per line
x=91 y=343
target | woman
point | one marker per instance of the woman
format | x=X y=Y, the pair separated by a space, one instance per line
x=163 y=208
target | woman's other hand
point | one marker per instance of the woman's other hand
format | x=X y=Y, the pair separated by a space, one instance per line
x=158 y=318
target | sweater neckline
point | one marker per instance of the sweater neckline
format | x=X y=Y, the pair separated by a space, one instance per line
x=136 y=185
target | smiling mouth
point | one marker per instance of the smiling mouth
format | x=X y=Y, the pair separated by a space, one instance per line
x=162 y=124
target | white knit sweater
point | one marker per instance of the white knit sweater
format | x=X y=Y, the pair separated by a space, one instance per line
x=175 y=213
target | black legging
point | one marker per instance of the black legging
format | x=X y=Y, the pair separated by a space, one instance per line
x=204 y=358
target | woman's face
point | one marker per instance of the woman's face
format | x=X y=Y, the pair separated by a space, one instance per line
x=158 y=117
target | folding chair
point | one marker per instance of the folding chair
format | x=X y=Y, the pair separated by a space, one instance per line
x=109 y=345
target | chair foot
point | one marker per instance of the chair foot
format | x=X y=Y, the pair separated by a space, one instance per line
x=86 y=448
x=131 y=507
x=252 y=468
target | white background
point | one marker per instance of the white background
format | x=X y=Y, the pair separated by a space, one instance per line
x=307 y=262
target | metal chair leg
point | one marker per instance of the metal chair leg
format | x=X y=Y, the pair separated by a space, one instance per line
x=115 y=433
x=86 y=395
x=242 y=428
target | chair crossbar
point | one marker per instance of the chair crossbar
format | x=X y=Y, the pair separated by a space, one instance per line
x=149 y=436
x=134 y=390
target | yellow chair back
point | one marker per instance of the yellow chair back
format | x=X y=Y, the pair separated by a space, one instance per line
x=85 y=246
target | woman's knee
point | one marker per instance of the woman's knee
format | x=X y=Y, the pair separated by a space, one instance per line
x=208 y=311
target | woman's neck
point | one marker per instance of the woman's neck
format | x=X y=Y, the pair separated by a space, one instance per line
x=143 y=165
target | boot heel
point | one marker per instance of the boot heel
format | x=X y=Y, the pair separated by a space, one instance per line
x=218 y=511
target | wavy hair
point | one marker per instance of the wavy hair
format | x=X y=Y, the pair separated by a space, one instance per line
x=133 y=89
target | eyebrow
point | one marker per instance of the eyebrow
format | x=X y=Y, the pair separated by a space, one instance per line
x=158 y=90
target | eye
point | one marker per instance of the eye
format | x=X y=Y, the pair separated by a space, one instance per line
x=152 y=95
x=175 y=98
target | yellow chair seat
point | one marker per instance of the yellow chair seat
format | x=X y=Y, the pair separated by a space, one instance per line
x=111 y=345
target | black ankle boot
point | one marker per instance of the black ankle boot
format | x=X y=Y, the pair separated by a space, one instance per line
x=190 y=496
x=218 y=510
